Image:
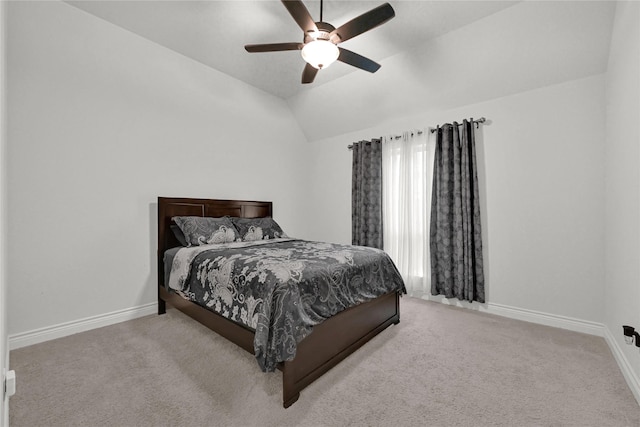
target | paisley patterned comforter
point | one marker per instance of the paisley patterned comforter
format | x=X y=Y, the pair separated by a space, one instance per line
x=281 y=288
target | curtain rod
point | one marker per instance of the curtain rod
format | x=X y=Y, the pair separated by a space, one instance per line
x=477 y=122
x=419 y=132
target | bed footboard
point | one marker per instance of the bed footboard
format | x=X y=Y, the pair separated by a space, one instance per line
x=329 y=343
x=334 y=340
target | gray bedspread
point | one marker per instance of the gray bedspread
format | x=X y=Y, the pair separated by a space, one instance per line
x=283 y=287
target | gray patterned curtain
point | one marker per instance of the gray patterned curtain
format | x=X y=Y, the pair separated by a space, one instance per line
x=456 y=238
x=366 y=194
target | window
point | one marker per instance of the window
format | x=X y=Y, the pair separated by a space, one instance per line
x=406 y=197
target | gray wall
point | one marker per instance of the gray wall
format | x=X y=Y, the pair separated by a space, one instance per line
x=101 y=123
x=622 y=201
x=542 y=192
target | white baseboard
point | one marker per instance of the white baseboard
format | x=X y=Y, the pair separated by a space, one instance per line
x=69 y=328
x=533 y=316
x=542 y=318
x=627 y=371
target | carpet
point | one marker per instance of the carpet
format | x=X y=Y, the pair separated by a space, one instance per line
x=441 y=366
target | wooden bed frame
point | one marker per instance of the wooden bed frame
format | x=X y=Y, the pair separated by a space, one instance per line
x=328 y=344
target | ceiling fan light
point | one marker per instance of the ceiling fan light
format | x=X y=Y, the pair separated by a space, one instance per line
x=320 y=53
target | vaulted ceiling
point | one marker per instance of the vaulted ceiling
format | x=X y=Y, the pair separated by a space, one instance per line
x=215 y=32
x=433 y=53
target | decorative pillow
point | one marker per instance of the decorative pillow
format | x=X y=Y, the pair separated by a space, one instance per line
x=251 y=229
x=205 y=230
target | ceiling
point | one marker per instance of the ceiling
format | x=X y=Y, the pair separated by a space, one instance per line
x=215 y=32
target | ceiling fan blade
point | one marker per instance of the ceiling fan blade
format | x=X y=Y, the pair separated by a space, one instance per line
x=309 y=73
x=358 y=61
x=272 y=47
x=365 y=22
x=300 y=14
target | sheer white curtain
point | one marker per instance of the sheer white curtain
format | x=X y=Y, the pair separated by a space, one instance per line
x=407 y=170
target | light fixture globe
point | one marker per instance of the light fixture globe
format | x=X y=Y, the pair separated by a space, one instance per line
x=320 y=53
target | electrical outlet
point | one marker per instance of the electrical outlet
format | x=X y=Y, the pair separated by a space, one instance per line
x=631 y=336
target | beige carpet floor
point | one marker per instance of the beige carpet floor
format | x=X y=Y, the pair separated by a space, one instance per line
x=441 y=366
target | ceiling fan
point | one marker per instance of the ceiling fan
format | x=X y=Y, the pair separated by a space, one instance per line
x=319 y=46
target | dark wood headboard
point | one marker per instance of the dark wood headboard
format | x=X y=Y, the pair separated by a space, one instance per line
x=168 y=207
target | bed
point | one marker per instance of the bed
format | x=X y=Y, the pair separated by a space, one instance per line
x=326 y=345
